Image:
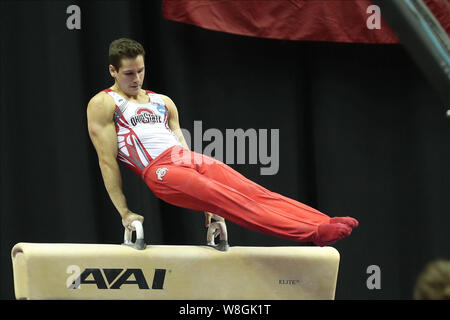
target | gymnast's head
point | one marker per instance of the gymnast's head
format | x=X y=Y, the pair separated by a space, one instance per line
x=126 y=65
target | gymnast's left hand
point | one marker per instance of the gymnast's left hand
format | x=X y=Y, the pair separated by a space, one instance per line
x=129 y=218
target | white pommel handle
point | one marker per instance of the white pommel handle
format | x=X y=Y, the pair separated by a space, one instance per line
x=139 y=244
x=214 y=228
x=218 y=227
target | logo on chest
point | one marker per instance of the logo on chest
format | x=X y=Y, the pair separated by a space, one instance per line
x=144 y=115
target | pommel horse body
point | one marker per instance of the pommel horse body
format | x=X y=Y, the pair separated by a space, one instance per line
x=137 y=271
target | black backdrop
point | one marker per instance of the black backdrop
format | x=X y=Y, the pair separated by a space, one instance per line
x=361 y=133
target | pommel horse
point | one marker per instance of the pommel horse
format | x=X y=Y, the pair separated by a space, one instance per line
x=137 y=271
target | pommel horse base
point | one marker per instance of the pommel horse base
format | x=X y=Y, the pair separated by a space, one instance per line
x=103 y=272
x=136 y=271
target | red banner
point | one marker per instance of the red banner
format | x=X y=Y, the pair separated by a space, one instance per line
x=307 y=20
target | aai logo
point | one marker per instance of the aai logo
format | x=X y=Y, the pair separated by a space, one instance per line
x=105 y=278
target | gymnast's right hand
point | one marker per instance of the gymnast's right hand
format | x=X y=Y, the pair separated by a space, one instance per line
x=129 y=218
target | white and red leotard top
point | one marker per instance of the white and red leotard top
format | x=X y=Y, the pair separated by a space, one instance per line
x=143 y=130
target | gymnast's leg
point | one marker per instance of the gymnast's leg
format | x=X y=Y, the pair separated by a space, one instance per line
x=210 y=185
x=187 y=188
x=329 y=229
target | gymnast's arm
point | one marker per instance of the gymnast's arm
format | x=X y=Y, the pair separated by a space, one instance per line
x=174 y=125
x=100 y=112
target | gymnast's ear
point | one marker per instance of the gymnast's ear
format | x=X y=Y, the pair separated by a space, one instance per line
x=112 y=71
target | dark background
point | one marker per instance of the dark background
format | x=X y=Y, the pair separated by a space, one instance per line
x=362 y=133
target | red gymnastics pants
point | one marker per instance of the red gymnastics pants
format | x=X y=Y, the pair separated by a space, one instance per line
x=194 y=181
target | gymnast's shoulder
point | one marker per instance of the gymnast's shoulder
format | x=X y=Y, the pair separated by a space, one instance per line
x=167 y=100
x=101 y=102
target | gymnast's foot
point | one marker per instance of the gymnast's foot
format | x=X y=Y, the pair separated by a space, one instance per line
x=351 y=222
x=329 y=233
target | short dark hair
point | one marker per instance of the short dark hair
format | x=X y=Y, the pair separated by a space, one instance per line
x=124 y=48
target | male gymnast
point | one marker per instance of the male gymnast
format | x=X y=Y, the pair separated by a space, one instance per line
x=141 y=128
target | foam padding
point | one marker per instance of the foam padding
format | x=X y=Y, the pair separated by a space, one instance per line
x=102 y=271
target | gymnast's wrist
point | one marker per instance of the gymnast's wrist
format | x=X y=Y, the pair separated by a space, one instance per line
x=125 y=213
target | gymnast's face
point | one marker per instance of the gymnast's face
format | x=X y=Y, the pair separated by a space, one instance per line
x=130 y=76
